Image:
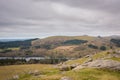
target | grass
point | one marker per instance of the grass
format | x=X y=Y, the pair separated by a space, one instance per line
x=93 y=74
x=104 y=55
x=71 y=37
x=100 y=55
x=7 y=72
x=94 y=57
x=48 y=72
x=13 y=49
x=16 y=48
x=77 y=61
x=0 y=50
x=115 y=58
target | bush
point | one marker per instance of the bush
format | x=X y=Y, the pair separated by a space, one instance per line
x=92 y=46
x=116 y=42
x=102 y=48
x=75 y=41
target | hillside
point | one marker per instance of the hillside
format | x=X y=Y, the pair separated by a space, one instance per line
x=74 y=46
x=58 y=39
x=59 y=46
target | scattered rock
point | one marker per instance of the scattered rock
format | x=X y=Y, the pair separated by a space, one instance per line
x=87 y=56
x=34 y=73
x=89 y=60
x=79 y=67
x=117 y=55
x=109 y=64
x=15 y=77
x=65 y=78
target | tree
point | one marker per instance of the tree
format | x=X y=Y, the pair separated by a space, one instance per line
x=103 y=48
x=92 y=46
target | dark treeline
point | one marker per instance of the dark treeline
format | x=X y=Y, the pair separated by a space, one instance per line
x=75 y=41
x=11 y=44
x=116 y=42
x=31 y=61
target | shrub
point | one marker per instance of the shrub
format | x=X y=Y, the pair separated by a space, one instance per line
x=92 y=46
x=103 y=48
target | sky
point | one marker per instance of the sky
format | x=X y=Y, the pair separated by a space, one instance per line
x=42 y=18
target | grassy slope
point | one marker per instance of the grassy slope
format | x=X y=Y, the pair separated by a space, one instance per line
x=93 y=74
x=103 y=54
x=60 y=38
x=70 y=37
x=48 y=72
x=91 y=40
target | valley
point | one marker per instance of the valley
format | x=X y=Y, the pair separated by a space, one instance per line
x=61 y=58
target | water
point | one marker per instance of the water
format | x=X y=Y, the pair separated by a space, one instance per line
x=26 y=58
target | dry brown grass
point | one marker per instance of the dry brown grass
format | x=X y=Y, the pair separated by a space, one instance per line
x=70 y=48
x=7 y=72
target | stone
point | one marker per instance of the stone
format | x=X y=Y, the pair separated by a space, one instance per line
x=66 y=78
x=67 y=67
x=16 y=77
x=34 y=73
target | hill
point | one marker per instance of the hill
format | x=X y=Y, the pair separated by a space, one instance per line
x=81 y=45
x=59 y=46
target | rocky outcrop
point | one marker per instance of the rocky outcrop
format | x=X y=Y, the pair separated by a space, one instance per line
x=109 y=64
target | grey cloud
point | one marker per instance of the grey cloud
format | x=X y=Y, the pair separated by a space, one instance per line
x=58 y=17
x=107 y=5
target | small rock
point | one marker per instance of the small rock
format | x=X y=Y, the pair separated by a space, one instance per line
x=78 y=68
x=15 y=77
x=67 y=67
x=34 y=73
x=87 y=56
x=65 y=78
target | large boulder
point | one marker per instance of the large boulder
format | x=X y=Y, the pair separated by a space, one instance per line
x=67 y=67
x=109 y=64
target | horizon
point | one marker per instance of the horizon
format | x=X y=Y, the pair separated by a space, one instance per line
x=27 y=38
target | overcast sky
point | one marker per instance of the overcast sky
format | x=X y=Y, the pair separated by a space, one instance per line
x=41 y=18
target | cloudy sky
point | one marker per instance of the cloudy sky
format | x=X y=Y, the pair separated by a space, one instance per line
x=41 y=18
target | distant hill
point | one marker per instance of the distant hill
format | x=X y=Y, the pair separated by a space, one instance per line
x=59 y=39
x=115 y=36
x=11 y=43
x=60 y=46
x=9 y=40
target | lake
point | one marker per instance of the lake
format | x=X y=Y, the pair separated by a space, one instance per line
x=26 y=58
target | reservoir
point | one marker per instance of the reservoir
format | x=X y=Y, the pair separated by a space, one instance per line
x=26 y=58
